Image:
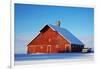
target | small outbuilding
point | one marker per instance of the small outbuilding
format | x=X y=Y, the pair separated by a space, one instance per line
x=54 y=39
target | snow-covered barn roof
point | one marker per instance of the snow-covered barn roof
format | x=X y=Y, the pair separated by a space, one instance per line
x=66 y=34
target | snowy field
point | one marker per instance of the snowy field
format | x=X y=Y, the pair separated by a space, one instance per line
x=24 y=59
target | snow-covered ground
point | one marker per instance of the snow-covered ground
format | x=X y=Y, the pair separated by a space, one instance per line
x=52 y=58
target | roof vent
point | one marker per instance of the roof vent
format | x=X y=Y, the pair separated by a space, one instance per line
x=58 y=23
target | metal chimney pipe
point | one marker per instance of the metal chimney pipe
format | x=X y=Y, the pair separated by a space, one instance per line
x=58 y=23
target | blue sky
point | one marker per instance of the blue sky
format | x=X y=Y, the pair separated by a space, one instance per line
x=29 y=19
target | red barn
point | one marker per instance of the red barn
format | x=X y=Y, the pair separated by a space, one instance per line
x=54 y=39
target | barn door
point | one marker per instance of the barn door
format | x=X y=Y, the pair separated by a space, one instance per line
x=67 y=48
x=49 y=49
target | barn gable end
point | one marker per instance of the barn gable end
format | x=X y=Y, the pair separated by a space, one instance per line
x=54 y=39
x=49 y=32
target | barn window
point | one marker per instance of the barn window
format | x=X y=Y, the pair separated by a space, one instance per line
x=49 y=40
x=41 y=47
x=65 y=44
x=57 y=46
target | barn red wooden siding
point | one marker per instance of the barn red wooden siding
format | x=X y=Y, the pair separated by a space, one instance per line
x=48 y=41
